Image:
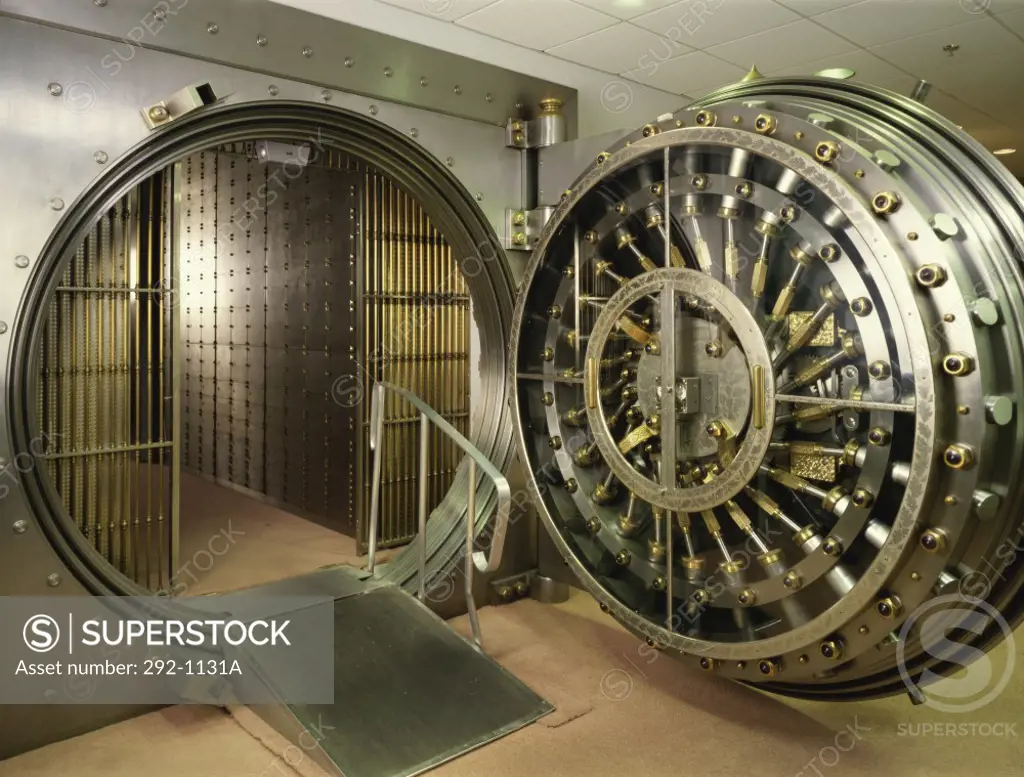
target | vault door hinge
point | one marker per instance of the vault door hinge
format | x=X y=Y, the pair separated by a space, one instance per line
x=545 y=130
x=525 y=226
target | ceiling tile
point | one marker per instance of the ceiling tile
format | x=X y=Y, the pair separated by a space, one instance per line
x=873 y=22
x=447 y=10
x=626 y=9
x=958 y=112
x=791 y=44
x=620 y=48
x=996 y=6
x=869 y=69
x=688 y=74
x=704 y=23
x=1014 y=20
x=812 y=7
x=987 y=56
x=536 y=24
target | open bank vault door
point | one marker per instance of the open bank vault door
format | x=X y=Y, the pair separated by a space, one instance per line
x=223 y=322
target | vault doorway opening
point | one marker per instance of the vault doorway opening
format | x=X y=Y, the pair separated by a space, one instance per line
x=204 y=374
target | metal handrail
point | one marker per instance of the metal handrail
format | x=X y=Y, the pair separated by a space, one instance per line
x=478 y=559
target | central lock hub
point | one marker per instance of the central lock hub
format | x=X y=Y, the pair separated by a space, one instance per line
x=703 y=386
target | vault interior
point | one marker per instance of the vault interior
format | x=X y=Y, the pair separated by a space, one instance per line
x=219 y=328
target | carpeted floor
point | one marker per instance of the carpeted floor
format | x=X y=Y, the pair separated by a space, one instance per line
x=622 y=711
x=231 y=541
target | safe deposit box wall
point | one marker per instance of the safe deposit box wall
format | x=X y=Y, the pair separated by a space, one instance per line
x=334 y=264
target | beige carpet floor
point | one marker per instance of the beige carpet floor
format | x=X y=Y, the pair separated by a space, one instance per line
x=623 y=711
x=230 y=541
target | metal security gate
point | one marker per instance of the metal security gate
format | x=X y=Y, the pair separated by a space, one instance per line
x=106 y=363
x=226 y=319
x=415 y=323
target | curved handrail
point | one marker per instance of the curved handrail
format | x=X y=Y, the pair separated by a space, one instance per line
x=481 y=560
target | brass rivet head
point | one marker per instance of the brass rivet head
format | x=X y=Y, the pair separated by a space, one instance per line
x=623 y=557
x=547 y=399
x=879 y=370
x=571 y=485
x=769 y=667
x=889 y=607
x=603 y=157
x=958 y=364
x=861 y=497
x=707 y=664
x=659 y=583
x=765 y=123
x=705 y=119
x=746 y=597
x=745 y=189
x=879 y=436
x=931 y=275
x=650 y=129
x=885 y=203
x=826 y=151
x=958 y=456
x=861 y=307
x=555 y=443
x=792 y=580
x=832 y=649
x=699 y=182
x=593 y=524
x=832 y=547
x=829 y=253
x=548 y=354
x=933 y=540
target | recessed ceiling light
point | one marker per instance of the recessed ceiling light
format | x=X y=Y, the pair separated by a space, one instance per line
x=1004 y=151
x=838 y=73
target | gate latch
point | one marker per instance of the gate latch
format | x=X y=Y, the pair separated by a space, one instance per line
x=178 y=104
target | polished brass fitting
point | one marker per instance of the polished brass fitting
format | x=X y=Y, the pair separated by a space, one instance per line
x=933 y=540
x=957 y=456
x=832 y=649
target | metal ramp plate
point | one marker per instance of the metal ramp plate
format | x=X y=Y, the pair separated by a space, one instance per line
x=410 y=693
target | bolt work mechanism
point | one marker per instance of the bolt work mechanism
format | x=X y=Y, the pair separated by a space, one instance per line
x=766 y=420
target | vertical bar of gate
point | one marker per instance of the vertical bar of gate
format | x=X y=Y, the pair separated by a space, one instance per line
x=174 y=297
x=474 y=621
x=422 y=529
x=376 y=444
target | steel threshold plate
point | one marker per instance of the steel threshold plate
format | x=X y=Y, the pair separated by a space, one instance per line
x=410 y=693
